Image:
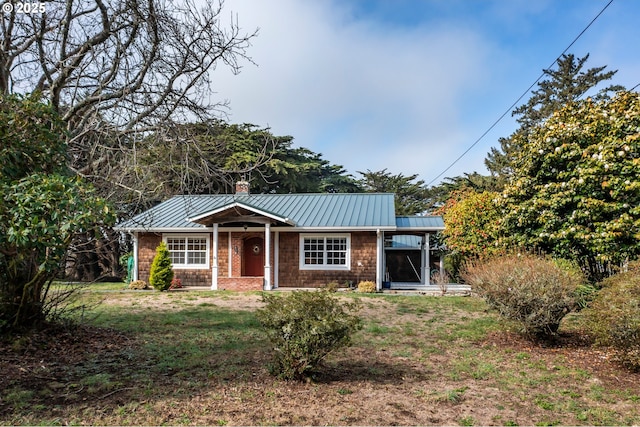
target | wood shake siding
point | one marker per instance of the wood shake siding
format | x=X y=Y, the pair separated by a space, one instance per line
x=363 y=267
x=147 y=244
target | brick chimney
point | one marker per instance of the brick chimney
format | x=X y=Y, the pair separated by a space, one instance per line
x=242 y=188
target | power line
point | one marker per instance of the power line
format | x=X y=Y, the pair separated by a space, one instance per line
x=520 y=97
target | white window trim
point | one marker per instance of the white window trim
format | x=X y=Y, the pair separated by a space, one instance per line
x=204 y=266
x=325 y=267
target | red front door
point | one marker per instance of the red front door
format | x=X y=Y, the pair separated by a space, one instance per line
x=253 y=257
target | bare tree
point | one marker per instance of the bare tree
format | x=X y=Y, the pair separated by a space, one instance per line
x=117 y=72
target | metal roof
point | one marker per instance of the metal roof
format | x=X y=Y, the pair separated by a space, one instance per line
x=419 y=223
x=319 y=211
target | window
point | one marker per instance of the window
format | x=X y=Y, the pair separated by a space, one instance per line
x=188 y=251
x=325 y=252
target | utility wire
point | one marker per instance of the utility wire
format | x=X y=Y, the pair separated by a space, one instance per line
x=521 y=96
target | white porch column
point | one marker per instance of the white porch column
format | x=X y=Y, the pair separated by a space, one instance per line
x=267 y=257
x=214 y=266
x=276 y=258
x=134 y=274
x=230 y=251
x=426 y=270
x=379 y=259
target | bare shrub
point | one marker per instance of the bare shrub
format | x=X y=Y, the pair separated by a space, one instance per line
x=535 y=292
x=441 y=280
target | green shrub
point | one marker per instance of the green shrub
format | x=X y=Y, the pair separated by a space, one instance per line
x=305 y=326
x=453 y=264
x=535 y=292
x=161 y=274
x=138 y=285
x=367 y=286
x=585 y=294
x=614 y=317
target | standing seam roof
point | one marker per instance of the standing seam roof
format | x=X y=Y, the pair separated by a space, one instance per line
x=323 y=210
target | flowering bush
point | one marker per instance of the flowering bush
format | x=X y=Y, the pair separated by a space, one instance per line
x=176 y=283
x=471 y=221
x=575 y=192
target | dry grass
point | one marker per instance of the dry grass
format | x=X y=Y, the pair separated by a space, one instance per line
x=200 y=359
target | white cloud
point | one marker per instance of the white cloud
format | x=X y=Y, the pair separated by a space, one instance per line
x=369 y=93
x=365 y=96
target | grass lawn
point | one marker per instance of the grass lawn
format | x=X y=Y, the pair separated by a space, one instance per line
x=201 y=358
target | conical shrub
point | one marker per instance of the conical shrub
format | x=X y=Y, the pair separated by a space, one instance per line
x=161 y=273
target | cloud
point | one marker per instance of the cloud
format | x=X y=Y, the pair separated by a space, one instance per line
x=406 y=85
x=364 y=95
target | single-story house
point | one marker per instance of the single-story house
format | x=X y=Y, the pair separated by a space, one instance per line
x=248 y=241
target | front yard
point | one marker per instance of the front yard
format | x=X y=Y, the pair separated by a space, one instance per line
x=200 y=358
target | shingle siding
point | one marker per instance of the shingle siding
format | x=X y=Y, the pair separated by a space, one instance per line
x=363 y=251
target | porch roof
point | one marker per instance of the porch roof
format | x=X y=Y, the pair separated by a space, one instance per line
x=419 y=223
x=306 y=211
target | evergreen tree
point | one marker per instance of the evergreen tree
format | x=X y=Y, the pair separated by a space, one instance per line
x=562 y=86
x=161 y=273
x=412 y=198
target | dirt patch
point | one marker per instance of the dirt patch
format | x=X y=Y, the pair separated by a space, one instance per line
x=173 y=300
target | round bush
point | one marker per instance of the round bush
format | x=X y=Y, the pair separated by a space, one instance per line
x=138 y=285
x=614 y=316
x=367 y=286
x=535 y=292
x=304 y=327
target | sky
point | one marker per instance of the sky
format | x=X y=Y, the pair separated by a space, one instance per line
x=409 y=85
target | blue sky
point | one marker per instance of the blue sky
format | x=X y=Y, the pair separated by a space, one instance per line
x=409 y=85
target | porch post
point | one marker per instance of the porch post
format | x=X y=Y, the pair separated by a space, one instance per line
x=276 y=258
x=267 y=257
x=379 y=259
x=214 y=267
x=426 y=269
x=134 y=274
x=230 y=251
